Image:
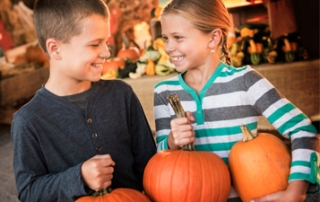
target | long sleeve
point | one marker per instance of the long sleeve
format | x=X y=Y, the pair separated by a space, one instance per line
x=290 y=122
x=162 y=112
x=32 y=173
x=143 y=144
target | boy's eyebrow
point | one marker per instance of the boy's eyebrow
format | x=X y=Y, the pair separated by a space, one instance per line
x=98 y=39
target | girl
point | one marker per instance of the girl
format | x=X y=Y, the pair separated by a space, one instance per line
x=220 y=98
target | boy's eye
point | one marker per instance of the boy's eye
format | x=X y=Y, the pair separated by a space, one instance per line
x=95 y=45
x=177 y=37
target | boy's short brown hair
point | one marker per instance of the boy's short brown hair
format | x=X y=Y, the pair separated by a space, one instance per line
x=61 y=19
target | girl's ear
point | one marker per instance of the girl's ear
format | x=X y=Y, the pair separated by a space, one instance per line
x=53 y=48
x=215 y=38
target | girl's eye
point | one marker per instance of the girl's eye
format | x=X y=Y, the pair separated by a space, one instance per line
x=164 y=38
x=95 y=45
x=177 y=37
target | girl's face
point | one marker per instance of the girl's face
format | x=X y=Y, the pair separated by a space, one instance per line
x=187 y=47
x=83 y=56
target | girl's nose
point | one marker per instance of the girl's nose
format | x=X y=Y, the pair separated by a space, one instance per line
x=168 y=47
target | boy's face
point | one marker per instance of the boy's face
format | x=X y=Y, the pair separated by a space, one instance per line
x=83 y=56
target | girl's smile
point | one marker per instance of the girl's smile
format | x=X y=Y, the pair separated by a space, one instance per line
x=186 y=45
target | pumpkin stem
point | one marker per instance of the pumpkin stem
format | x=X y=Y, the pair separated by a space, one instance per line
x=179 y=111
x=101 y=192
x=125 y=41
x=135 y=44
x=247 y=134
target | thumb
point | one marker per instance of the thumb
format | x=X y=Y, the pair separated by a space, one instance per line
x=189 y=116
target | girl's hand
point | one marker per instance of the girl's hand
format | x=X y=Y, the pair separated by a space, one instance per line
x=97 y=172
x=181 y=131
x=295 y=192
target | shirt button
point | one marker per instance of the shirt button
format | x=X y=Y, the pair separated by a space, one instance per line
x=94 y=135
x=89 y=120
x=98 y=148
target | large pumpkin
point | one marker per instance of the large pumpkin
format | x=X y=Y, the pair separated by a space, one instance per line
x=259 y=165
x=117 y=195
x=186 y=175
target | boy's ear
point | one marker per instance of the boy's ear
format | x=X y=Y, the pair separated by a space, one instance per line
x=215 y=38
x=53 y=48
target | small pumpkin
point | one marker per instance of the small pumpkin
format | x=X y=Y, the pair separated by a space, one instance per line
x=289 y=50
x=128 y=52
x=110 y=74
x=186 y=175
x=36 y=54
x=112 y=63
x=259 y=165
x=116 y=195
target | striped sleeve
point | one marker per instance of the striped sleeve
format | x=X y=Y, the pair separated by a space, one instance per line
x=291 y=123
x=162 y=111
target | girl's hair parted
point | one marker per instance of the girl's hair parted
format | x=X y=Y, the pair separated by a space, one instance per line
x=205 y=15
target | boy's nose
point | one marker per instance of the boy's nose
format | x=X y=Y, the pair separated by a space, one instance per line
x=105 y=52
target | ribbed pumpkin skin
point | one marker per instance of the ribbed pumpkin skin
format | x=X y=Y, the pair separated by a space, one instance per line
x=117 y=195
x=259 y=167
x=188 y=176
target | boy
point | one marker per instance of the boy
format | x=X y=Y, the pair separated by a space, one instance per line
x=79 y=134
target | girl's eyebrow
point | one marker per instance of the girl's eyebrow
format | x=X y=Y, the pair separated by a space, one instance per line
x=174 y=33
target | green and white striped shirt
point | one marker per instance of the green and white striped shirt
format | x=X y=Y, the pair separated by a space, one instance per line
x=233 y=97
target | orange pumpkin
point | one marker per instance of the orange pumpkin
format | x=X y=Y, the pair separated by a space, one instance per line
x=128 y=52
x=117 y=195
x=131 y=53
x=259 y=165
x=188 y=176
x=36 y=54
x=113 y=63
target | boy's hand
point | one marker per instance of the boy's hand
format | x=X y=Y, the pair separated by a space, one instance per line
x=181 y=131
x=295 y=192
x=97 y=172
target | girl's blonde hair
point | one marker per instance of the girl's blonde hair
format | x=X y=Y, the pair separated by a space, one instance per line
x=205 y=15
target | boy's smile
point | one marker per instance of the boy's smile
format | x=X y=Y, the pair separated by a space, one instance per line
x=80 y=60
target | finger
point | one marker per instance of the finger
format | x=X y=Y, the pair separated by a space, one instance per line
x=102 y=156
x=106 y=184
x=180 y=128
x=267 y=198
x=104 y=160
x=184 y=141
